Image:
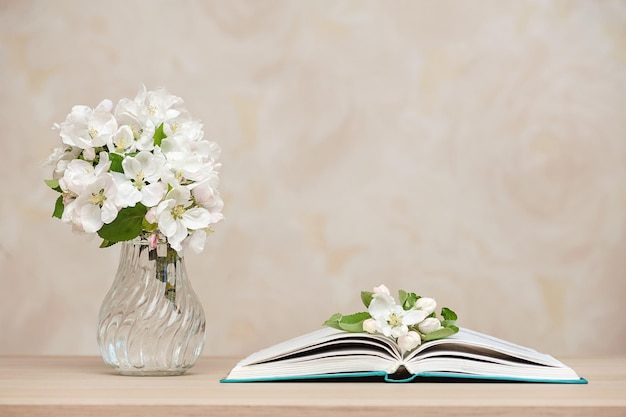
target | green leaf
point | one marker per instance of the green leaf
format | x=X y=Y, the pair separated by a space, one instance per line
x=402 y=296
x=116 y=162
x=54 y=184
x=353 y=322
x=441 y=333
x=366 y=297
x=149 y=227
x=159 y=135
x=106 y=243
x=448 y=314
x=409 y=300
x=58 y=208
x=126 y=226
x=448 y=323
x=333 y=321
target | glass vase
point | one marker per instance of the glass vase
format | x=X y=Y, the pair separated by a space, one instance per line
x=151 y=322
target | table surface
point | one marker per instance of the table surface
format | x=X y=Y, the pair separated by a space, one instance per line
x=83 y=385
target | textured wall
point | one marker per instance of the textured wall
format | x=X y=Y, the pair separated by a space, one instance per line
x=474 y=152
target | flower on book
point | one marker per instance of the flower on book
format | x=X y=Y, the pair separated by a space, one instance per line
x=139 y=169
x=410 y=322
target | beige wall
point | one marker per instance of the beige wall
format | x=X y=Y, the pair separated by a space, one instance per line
x=474 y=152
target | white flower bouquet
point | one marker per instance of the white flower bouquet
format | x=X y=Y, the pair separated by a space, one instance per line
x=409 y=323
x=139 y=169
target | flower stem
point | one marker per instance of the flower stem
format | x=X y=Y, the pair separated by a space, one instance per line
x=163 y=262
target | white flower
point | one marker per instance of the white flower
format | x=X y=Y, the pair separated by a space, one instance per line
x=409 y=341
x=391 y=318
x=187 y=128
x=184 y=163
x=123 y=141
x=176 y=215
x=429 y=325
x=88 y=128
x=135 y=116
x=60 y=158
x=79 y=173
x=144 y=170
x=208 y=197
x=94 y=206
x=160 y=105
x=127 y=194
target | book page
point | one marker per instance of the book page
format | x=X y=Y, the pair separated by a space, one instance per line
x=488 y=345
x=314 y=365
x=325 y=342
x=330 y=351
x=324 y=352
x=453 y=366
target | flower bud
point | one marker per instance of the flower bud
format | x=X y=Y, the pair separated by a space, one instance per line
x=369 y=325
x=381 y=289
x=409 y=341
x=429 y=325
x=151 y=216
x=153 y=240
x=427 y=305
x=89 y=154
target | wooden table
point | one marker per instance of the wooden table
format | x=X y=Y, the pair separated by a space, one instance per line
x=78 y=386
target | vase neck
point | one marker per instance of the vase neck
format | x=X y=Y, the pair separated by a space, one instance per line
x=161 y=262
x=140 y=246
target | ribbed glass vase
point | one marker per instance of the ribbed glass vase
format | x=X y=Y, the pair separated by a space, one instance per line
x=151 y=322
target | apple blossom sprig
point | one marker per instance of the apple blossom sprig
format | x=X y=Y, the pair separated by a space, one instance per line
x=409 y=323
x=139 y=169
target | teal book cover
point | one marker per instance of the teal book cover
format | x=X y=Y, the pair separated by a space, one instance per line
x=381 y=376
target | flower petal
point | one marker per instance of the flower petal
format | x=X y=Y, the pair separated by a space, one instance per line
x=180 y=194
x=151 y=194
x=90 y=218
x=197 y=218
x=196 y=241
x=108 y=213
x=399 y=331
x=178 y=236
x=413 y=317
x=382 y=304
x=167 y=224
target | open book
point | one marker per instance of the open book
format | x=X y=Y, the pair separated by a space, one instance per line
x=330 y=353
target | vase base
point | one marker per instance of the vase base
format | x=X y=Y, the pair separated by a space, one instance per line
x=142 y=372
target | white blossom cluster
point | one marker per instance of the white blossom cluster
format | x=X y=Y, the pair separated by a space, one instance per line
x=147 y=154
x=409 y=322
x=404 y=326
